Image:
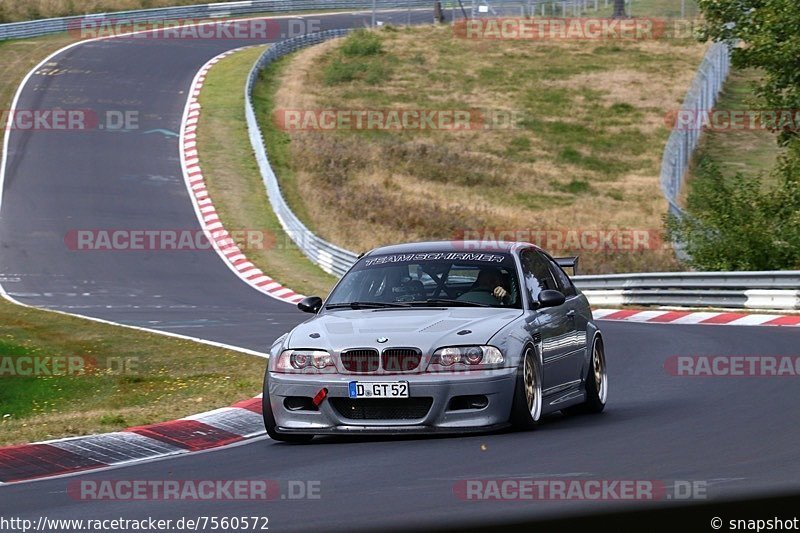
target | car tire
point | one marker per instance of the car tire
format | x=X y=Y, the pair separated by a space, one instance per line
x=526 y=409
x=269 y=420
x=595 y=384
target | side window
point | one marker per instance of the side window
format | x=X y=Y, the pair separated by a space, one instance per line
x=564 y=283
x=537 y=273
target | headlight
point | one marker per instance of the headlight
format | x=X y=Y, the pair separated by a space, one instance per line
x=304 y=361
x=465 y=357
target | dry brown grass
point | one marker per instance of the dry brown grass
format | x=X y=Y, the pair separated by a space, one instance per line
x=585 y=157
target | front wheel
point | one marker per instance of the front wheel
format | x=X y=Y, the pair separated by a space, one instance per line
x=596 y=384
x=269 y=420
x=526 y=409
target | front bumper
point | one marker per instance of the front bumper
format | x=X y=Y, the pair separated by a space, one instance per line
x=497 y=386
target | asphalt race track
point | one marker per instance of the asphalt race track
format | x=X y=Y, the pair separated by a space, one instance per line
x=59 y=182
x=738 y=436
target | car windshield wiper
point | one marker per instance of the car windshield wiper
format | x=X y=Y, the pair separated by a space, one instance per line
x=454 y=302
x=366 y=305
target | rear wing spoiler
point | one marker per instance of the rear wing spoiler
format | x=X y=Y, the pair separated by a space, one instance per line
x=568 y=262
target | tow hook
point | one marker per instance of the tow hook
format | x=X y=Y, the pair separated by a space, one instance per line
x=320 y=397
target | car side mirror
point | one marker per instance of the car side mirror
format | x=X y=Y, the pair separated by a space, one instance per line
x=310 y=304
x=551 y=298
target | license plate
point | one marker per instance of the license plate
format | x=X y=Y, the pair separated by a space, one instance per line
x=379 y=389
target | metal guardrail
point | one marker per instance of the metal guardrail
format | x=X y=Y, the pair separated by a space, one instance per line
x=331 y=258
x=563 y=8
x=35 y=28
x=760 y=300
x=789 y=279
x=741 y=290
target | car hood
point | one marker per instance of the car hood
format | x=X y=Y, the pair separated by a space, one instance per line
x=426 y=329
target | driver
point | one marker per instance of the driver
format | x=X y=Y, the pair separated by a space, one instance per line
x=488 y=288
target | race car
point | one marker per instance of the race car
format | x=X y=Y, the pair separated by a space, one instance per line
x=438 y=337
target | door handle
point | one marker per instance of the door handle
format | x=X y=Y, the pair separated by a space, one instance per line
x=571 y=313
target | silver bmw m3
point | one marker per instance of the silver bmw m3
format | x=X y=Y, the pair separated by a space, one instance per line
x=451 y=336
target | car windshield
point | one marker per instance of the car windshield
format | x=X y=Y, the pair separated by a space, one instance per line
x=468 y=279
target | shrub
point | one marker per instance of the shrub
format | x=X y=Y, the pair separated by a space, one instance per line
x=736 y=224
x=362 y=43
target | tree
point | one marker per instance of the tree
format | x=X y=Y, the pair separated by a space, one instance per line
x=737 y=224
x=769 y=31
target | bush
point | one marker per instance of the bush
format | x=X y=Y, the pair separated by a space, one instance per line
x=362 y=43
x=360 y=57
x=735 y=224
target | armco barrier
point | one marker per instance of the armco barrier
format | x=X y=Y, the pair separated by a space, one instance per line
x=328 y=256
x=452 y=8
x=739 y=290
x=35 y=28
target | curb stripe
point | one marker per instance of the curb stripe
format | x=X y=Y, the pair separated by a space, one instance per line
x=188 y=434
x=695 y=317
x=198 y=192
x=115 y=448
x=253 y=405
x=621 y=315
x=40 y=460
x=784 y=321
x=722 y=318
x=669 y=316
x=203 y=431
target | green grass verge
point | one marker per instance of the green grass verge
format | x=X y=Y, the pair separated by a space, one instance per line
x=234 y=181
x=750 y=152
x=129 y=377
x=276 y=140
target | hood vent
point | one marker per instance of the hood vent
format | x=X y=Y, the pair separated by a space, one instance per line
x=443 y=326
